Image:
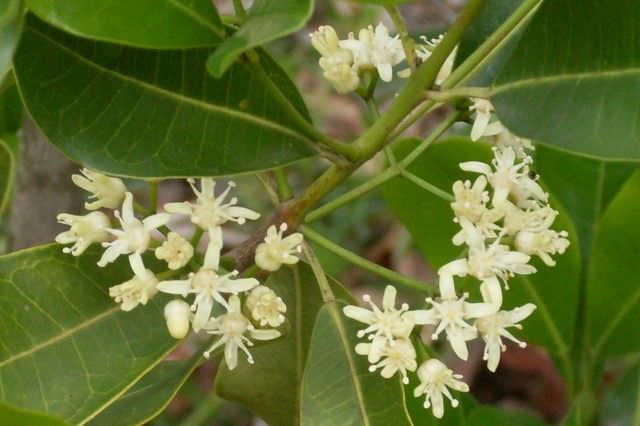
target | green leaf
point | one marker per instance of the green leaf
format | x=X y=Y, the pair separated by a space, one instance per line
x=10 y=28
x=429 y=219
x=163 y=24
x=143 y=113
x=7 y=165
x=67 y=348
x=613 y=298
x=266 y=21
x=270 y=386
x=491 y=16
x=585 y=185
x=492 y=416
x=337 y=387
x=13 y=416
x=572 y=80
x=10 y=107
x=150 y=395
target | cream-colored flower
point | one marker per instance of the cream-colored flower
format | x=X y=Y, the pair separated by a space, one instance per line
x=485 y=261
x=134 y=237
x=176 y=251
x=277 y=250
x=470 y=200
x=265 y=306
x=435 y=381
x=509 y=178
x=232 y=328
x=389 y=323
x=138 y=290
x=483 y=110
x=375 y=49
x=494 y=327
x=425 y=50
x=84 y=231
x=450 y=314
x=107 y=191
x=401 y=356
x=207 y=284
x=542 y=243
x=177 y=314
x=336 y=62
x=210 y=210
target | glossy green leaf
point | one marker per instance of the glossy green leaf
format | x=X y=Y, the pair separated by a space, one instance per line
x=279 y=364
x=67 y=348
x=15 y=417
x=164 y=24
x=7 y=165
x=266 y=21
x=613 y=298
x=429 y=219
x=573 y=79
x=337 y=387
x=491 y=16
x=145 y=113
x=10 y=28
x=150 y=395
x=585 y=185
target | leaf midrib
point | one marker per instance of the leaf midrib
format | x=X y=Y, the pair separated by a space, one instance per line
x=181 y=98
x=551 y=79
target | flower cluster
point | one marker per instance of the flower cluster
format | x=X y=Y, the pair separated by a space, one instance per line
x=343 y=62
x=505 y=219
x=251 y=311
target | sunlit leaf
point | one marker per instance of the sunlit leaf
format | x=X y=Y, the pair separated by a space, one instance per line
x=267 y=20
x=337 y=387
x=147 y=113
x=10 y=28
x=279 y=364
x=163 y=24
x=67 y=348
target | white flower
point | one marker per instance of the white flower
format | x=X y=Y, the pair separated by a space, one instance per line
x=276 y=250
x=231 y=327
x=207 y=284
x=177 y=314
x=134 y=236
x=387 y=324
x=176 y=251
x=108 y=191
x=265 y=306
x=210 y=210
x=450 y=313
x=537 y=219
x=504 y=138
x=470 y=200
x=494 y=327
x=336 y=62
x=424 y=52
x=401 y=356
x=509 y=178
x=375 y=49
x=137 y=290
x=485 y=261
x=343 y=77
x=435 y=381
x=84 y=231
x=483 y=109
x=542 y=243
